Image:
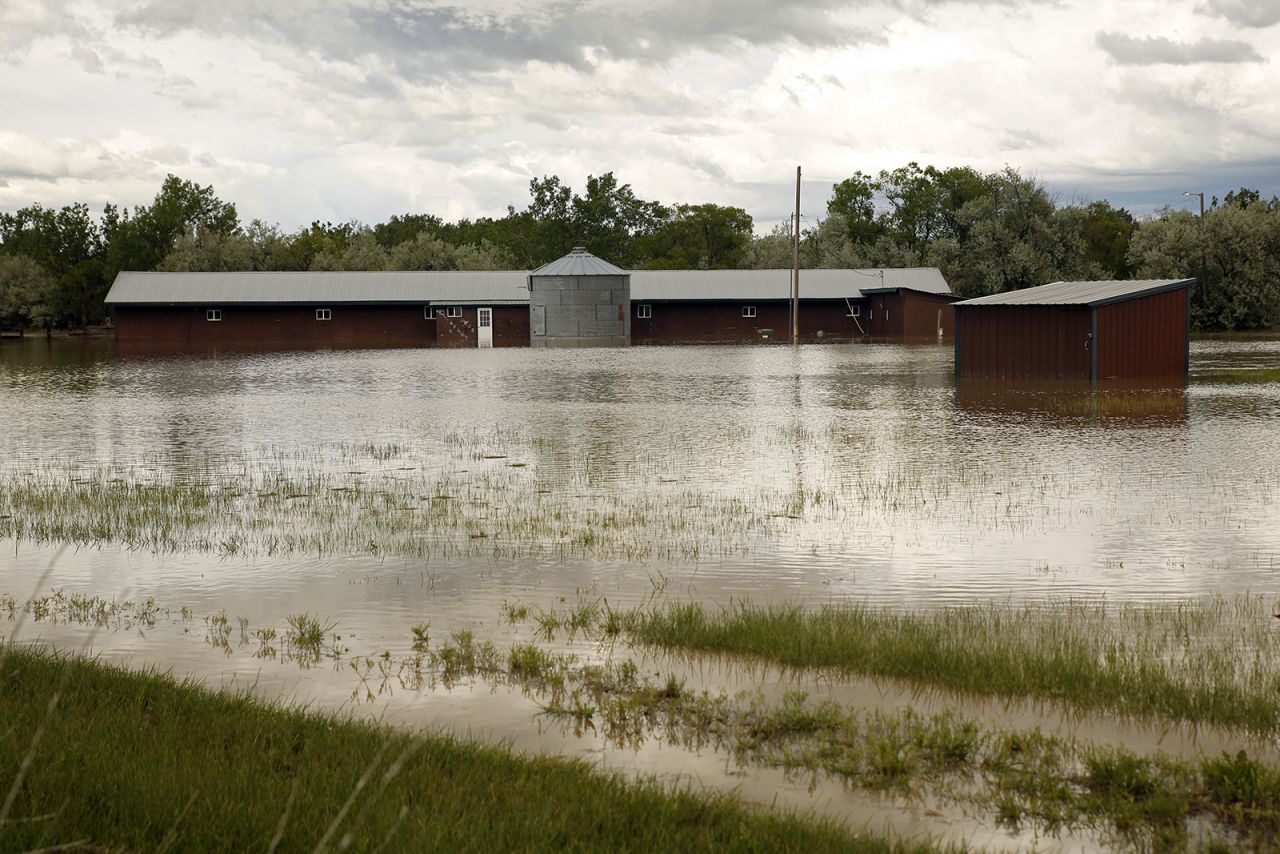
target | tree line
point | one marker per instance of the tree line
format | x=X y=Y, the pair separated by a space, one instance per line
x=988 y=233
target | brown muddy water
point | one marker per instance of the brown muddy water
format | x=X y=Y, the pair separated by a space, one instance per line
x=386 y=489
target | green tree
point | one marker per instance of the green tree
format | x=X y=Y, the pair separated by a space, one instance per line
x=1012 y=240
x=1106 y=232
x=698 y=237
x=852 y=203
x=25 y=292
x=68 y=245
x=1239 y=247
x=141 y=240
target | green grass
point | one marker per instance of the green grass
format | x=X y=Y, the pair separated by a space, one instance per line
x=1216 y=661
x=1242 y=375
x=119 y=760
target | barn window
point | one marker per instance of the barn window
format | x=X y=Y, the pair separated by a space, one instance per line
x=644 y=311
x=748 y=311
x=213 y=314
x=324 y=314
x=855 y=311
x=428 y=313
x=453 y=311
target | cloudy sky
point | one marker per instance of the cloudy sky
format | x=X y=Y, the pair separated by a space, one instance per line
x=358 y=109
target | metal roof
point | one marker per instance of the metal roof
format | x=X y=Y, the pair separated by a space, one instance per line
x=579 y=262
x=499 y=287
x=493 y=287
x=776 y=284
x=1082 y=293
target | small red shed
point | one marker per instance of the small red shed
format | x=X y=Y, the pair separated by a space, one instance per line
x=1077 y=331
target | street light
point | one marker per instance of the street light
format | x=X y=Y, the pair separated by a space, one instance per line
x=1203 y=272
x=1201 y=195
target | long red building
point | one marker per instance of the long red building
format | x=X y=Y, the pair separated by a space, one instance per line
x=492 y=309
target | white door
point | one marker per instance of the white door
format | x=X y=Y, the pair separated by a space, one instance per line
x=484 y=327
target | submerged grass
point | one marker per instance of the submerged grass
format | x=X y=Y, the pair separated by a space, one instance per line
x=1214 y=661
x=1242 y=375
x=140 y=761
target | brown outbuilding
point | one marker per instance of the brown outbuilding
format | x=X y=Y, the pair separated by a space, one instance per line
x=1077 y=331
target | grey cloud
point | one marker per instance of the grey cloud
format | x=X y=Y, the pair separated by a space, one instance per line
x=1157 y=50
x=1244 y=13
x=88 y=59
x=23 y=24
x=1018 y=139
x=547 y=120
x=425 y=43
x=381 y=84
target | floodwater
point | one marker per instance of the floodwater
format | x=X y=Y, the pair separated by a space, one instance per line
x=385 y=489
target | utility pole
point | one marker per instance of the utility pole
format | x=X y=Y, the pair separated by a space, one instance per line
x=1203 y=265
x=795 y=272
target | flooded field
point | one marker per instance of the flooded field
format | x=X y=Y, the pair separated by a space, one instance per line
x=342 y=528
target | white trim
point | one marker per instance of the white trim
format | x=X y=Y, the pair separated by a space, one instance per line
x=453 y=311
x=213 y=314
x=644 y=311
x=324 y=314
x=748 y=311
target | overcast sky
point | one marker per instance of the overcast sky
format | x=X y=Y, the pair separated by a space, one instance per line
x=358 y=109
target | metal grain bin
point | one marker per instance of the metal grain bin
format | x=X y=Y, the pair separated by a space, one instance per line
x=579 y=301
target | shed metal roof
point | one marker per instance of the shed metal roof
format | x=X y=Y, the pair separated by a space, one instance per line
x=493 y=287
x=1082 y=293
x=579 y=262
x=776 y=284
x=499 y=287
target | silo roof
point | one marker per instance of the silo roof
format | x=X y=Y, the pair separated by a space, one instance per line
x=1097 y=293
x=579 y=262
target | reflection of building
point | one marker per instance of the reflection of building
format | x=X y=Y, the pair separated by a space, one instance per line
x=1119 y=403
x=1077 y=331
x=576 y=300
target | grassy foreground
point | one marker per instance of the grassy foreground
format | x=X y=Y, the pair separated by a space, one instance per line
x=143 y=762
x=1211 y=662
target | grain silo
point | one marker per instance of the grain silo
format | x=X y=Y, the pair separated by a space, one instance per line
x=579 y=301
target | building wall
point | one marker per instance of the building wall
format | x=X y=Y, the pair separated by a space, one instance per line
x=279 y=327
x=909 y=316
x=1144 y=337
x=722 y=321
x=510 y=327
x=1023 y=341
x=883 y=316
x=579 y=311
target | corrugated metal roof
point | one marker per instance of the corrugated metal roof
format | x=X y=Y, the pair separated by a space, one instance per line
x=776 y=284
x=1082 y=293
x=579 y=262
x=495 y=287
x=499 y=287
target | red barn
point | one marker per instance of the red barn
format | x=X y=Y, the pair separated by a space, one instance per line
x=1077 y=331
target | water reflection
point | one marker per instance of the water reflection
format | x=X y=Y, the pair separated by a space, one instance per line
x=1108 y=403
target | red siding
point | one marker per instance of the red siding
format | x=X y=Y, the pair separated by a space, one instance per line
x=1023 y=341
x=510 y=327
x=1144 y=337
x=722 y=321
x=275 y=327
